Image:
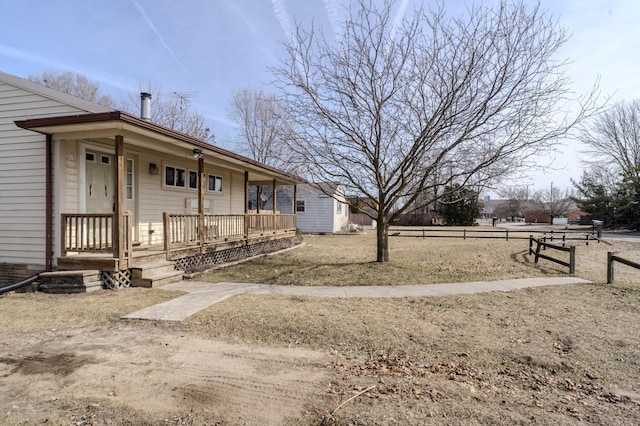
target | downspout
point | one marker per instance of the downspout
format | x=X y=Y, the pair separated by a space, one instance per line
x=48 y=244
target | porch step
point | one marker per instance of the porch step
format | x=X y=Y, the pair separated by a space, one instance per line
x=155 y=274
x=78 y=281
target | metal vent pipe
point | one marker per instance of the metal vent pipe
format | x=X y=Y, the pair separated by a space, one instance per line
x=145 y=106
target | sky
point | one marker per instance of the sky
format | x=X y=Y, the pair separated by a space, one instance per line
x=207 y=49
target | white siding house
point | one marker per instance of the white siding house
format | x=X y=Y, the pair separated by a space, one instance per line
x=85 y=186
x=22 y=171
x=320 y=213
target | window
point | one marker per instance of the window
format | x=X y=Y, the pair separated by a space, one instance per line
x=174 y=177
x=300 y=206
x=193 y=179
x=129 y=179
x=90 y=156
x=339 y=208
x=215 y=183
x=105 y=159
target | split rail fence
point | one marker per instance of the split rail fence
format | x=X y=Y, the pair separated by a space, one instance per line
x=501 y=234
x=611 y=257
x=542 y=244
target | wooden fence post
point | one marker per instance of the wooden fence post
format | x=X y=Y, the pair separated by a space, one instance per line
x=609 y=267
x=572 y=259
x=507 y=231
x=530 y=245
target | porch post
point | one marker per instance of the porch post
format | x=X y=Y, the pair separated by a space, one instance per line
x=201 y=201
x=118 y=211
x=295 y=198
x=258 y=198
x=246 y=192
x=275 y=219
x=246 y=205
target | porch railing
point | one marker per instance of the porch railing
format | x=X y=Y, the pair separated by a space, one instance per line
x=182 y=230
x=93 y=233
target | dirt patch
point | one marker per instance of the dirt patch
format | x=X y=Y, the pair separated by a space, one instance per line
x=147 y=374
x=58 y=364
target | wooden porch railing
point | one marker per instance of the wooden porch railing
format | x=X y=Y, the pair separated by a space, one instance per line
x=93 y=233
x=182 y=230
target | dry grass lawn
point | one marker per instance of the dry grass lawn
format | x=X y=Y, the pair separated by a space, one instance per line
x=549 y=355
x=350 y=260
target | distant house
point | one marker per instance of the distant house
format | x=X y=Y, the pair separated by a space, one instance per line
x=321 y=211
x=86 y=187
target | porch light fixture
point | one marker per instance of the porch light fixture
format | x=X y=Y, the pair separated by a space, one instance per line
x=197 y=153
x=153 y=169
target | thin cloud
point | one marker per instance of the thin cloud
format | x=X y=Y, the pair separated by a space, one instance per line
x=281 y=12
x=397 y=20
x=153 y=28
x=51 y=64
x=331 y=8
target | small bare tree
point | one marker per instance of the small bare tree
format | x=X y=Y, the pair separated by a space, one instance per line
x=516 y=200
x=555 y=202
x=73 y=84
x=403 y=107
x=262 y=122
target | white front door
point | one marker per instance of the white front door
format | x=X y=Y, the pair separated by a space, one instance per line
x=99 y=183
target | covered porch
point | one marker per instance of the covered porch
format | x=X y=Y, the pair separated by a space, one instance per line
x=123 y=192
x=90 y=241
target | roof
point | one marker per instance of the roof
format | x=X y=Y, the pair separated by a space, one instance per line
x=140 y=132
x=53 y=94
x=324 y=188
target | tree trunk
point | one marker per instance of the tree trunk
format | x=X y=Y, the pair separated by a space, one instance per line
x=383 y=241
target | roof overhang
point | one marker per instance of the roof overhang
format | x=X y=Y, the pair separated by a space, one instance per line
x=139 y=132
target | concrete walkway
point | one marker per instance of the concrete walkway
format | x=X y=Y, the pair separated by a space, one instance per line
x=202 y=294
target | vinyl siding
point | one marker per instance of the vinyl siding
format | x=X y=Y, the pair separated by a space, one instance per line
x=22 y=174
x=321 y=215
x=318 y=215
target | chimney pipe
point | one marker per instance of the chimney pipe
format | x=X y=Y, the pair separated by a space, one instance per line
x=145 y=106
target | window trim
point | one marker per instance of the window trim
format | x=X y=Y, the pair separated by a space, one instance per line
x=304 y=206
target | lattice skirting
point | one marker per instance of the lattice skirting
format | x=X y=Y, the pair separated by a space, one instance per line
x=116 y=279
x=211 y=258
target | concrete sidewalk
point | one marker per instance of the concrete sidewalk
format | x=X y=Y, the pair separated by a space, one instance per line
x=202 y=294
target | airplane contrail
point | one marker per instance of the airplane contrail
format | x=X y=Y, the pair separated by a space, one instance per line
x=153 y=28
x=280 y=10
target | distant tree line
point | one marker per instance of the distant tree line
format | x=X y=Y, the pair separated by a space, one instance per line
x=609 y=190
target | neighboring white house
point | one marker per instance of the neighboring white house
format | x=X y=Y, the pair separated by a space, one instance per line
x=319 y=213
x=84 y=185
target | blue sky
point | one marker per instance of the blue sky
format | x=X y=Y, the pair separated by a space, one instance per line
x=209 y=48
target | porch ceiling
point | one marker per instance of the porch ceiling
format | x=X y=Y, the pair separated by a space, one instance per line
x=144 y=134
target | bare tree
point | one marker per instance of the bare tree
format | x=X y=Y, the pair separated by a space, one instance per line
x=73 y=84
x=262 y=122
x=401 y=106
x=516 y=203
x=555 y=202
x=172 y=110
x=613 y=141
